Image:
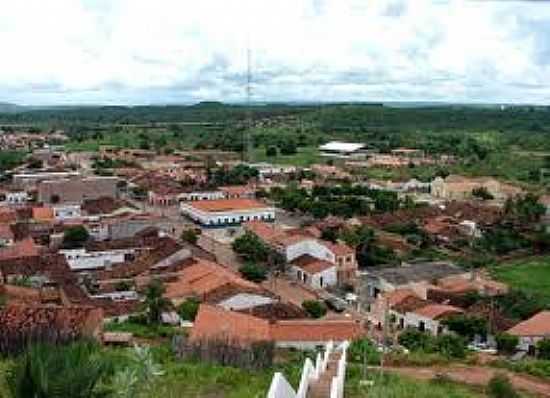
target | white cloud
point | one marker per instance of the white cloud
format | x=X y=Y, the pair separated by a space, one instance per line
x=145 y=51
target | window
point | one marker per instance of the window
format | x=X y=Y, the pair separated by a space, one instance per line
x=422 y=326
x=321 y=281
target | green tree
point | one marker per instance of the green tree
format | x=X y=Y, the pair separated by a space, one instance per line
x=271 y=151
x=506 y=343
x=450 y=345
x=155 y=302
x=288 y=147
x=415 y=340
x=75 y=237
x=189 y=235
x=189 y=308
x=253 y=272
x=467 y=326
x=250 y=247
x=314 y=308
x=543 y=349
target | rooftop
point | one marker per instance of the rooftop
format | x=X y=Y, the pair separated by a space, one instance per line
x=436 y=311
x=221 y=205
x=341 y=146
x=537 y=325
x=418 y=272
x=311 y=265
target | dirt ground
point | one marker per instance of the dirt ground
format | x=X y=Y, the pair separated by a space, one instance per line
x=477 y=375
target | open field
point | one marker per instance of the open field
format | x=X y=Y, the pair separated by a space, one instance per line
x=531 y=275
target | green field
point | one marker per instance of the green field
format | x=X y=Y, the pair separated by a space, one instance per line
x=531 y=275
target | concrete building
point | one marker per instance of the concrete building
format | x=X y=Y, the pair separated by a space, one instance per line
x=224 y=212
x=30 y=180
x=83 y=260
x=531 y=331
x=76 y=190
x=429 y=318
x=456 y=187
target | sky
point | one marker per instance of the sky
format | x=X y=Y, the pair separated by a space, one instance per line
x=182 y=51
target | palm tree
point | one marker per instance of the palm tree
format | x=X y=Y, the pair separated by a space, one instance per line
x=155 y=302
x=46 y=371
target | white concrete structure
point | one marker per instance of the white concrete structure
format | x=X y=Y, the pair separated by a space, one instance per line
x=82 y=260
x=313 y=372
x=16 y=198
x=268 y=170
x=428 y=318
x=67 y=212
x=244 y=301
x=225 y=212
x=308 y=246
x=342 y=149
x=318 y=274
x=201 y=195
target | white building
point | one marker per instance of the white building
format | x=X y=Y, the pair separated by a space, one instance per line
x=428 y=318
x=339 y=149
x=83 y=260
x=16 y=197
x=316 y=273
x=223 y=212
x=67 y=212
x=201 y=195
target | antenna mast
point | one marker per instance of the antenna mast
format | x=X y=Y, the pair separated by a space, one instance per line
x=247 y=155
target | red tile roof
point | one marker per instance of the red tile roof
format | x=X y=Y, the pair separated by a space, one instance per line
x=23 y=248
x=227 y=205
x=217 y=323
x=538 y=325
x=42 y=213
x=311 y=265
x=436 y=311
x=6 y=232
x=7 y=215
x=204 y=277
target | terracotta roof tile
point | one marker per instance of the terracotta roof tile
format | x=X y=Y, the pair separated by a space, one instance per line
x=538 y=325
x=436 y=311
x=6 y=232
x=23 y=248
x=311 y=265
x=227 y=205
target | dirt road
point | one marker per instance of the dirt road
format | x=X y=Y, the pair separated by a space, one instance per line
x=477 y=375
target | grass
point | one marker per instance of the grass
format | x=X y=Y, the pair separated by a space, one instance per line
x=534 y=367
x=143 y=331
x=394 y=386
x=530 y=275
x=305 y=156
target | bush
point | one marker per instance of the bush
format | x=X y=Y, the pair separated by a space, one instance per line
x=189 y=235
x=451 y=346
x=253 y=272
x=415 y=340
x=250 y=247
x=314 y=308
x=543 y=349
x=188 y=309
x=467 y=326
x=75 y=237
x=500 y=387
x=362 y=348
x=271 y=151
x=506 y=343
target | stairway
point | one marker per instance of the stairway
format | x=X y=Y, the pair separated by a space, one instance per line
x=321 y=388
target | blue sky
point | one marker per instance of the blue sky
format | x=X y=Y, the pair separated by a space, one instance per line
x=179 y=51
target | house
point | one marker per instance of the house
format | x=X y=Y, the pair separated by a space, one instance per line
x=314 y=272
x=22 y=248
x=270 y=171
x=30 y=180
x=76 y=190
x=201 y=195
x=238 y=192
x=14 y=198
x=455 y=187
x=531 y=331
x=213 y=283
x=339 y=149
x=84 y=260
x=6 y=235
x=429 y=318
x=22 y=324
x=66 y=212
x=313 y=261
x=415 y=276
x=224 y=212
x=216 y=323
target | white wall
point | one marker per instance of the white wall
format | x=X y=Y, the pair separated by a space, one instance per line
x=67 y=212
x=431 y=325
x=227 y=217
x=311 y=247
x=80 y=259
x=329 y=277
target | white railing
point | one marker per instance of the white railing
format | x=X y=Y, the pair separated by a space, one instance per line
x=338 y=381
x=280 y=388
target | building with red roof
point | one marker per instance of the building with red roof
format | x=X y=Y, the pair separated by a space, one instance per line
x=223 y=212
x=531 y=331
x=216 y=323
